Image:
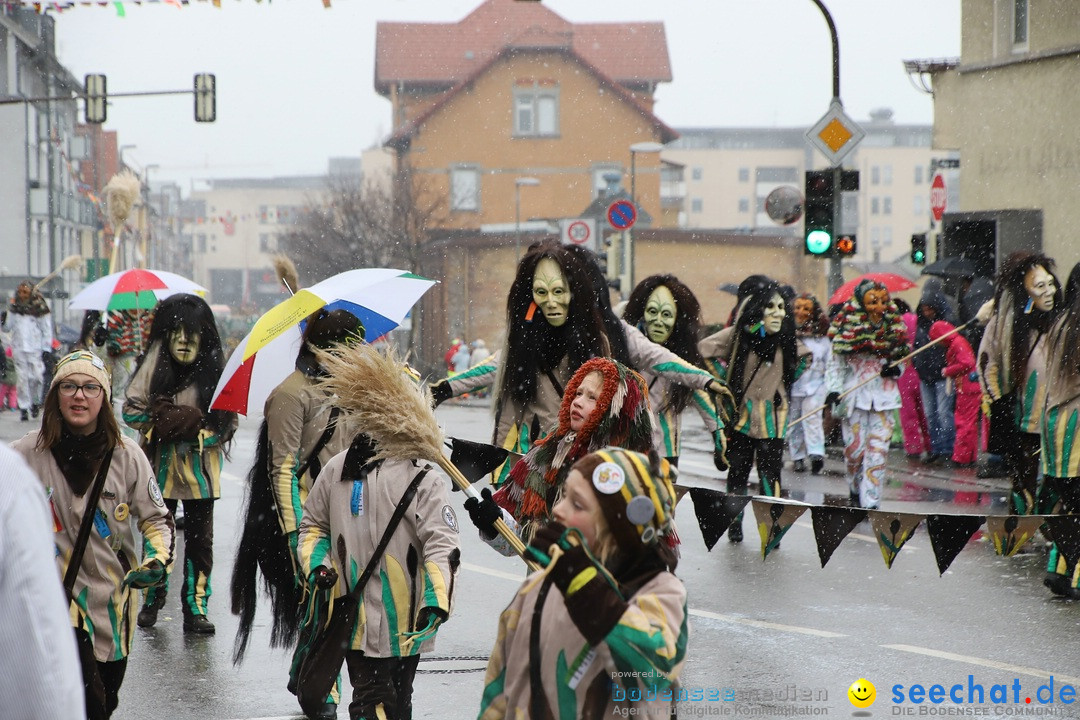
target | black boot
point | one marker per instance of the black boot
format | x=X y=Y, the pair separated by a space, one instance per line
x=817 y=464
x=734 y=533
x=155 y=600
x=24 y=416
x=198 y=624
x=35 y=409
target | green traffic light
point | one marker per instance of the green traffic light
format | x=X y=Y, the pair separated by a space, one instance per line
x=818 y=242
x=918 y=257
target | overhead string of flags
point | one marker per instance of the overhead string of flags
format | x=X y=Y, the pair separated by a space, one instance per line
x=118 y=5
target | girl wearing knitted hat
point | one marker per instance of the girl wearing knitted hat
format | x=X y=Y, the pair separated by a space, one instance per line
x=868 y=338
x=605 y=632
x=79 y=439
x=605 y=403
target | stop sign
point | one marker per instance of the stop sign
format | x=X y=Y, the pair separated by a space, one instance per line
x=938 y=197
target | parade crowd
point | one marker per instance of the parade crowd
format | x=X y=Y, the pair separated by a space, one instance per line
x=356 y=541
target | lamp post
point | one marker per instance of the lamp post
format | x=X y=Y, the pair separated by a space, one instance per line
x=530 y=182
x=149 y=256
x=641 y=147
x=120 y=153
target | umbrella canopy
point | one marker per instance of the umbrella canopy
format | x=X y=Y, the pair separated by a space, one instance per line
x=891 y=281
x=951 y=267
x=135 y=289
x=379 y=297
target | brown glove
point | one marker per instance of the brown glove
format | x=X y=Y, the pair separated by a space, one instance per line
x=174 y=422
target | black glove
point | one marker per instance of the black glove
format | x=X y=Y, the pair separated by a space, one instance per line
x=440 y=392
x=832 y=398
x=174 y=422
x=484 y=513
x=719 y=453
x=323 y=577
x=100 y=335
x=891 y=371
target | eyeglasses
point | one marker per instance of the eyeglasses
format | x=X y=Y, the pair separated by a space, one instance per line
x=90 y=390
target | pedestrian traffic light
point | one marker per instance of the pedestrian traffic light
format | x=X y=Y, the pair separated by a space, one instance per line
x=818 y=216
x=845 y=246
x=96 y=99
x=918 y=249
x=205 y=98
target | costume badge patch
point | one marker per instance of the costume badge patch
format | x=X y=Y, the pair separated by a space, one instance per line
x=608 y=478
x=449 y=517
x=155 y=492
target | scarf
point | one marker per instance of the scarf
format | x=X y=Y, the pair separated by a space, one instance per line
x=79 y=456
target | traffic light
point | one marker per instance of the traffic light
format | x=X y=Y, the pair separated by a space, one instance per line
x=918 y=249
x=819 y=213
x=845 y=246
x=205 y=98
x=96 y=99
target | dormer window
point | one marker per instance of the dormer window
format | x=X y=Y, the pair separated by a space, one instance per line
x=536 y=109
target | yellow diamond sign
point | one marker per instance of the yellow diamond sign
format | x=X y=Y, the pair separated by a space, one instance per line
x=835 y=134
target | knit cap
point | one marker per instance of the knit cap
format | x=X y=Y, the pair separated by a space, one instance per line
x=86 y=363
x=637 y=499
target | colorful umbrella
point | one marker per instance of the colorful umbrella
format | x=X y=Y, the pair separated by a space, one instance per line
x=134 y=289
x=891 y=281
x=379 y=297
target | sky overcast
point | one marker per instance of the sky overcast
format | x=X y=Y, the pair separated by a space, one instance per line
x=295 y=81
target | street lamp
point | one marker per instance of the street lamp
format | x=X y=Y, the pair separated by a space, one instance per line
x=124 y=164
x=530 y=182
x=149 y=256
x=641 y=147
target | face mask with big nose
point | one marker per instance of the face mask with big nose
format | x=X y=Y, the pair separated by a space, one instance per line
x=1041 y=288
x=660 y=314
x=551 y=292
x=773 y=317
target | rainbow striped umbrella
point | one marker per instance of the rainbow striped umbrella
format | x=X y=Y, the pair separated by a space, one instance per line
x=134 y=289
x=380 y=297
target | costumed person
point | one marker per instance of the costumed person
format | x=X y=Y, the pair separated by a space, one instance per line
x=868 y=337
x=606 y=403
x=346 y=519
x=601 y=631
x=79 y=446
x=1011 y=365
x=912 y=418
x=168 y=402
x=938 y=398
x=27 y=319
x=298 y=437
x=807 y=439
x=666 y=311
x=959 y=370
x=759 y=358
x=9 y=382
x=123 y=346
x=1060 y=491
x=40 y=677
x=567 y=287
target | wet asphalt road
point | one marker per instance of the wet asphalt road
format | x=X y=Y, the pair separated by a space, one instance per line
x=775 y=638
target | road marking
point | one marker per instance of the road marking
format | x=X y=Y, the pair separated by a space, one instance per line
x=763 y=624
x=519 y=578
x=1017 y=669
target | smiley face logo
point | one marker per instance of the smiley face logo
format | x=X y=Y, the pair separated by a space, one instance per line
x=862 y=693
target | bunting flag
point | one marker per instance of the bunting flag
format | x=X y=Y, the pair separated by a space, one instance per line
x=892 y=530
x=715 y=512
x=831 y=526
x=1064 y=530
x=680 y=490
x=59 y=7
x=1010 y=532
x=949 y=534
x=774 y=519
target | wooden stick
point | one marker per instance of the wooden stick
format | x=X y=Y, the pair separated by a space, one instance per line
x=894 y=363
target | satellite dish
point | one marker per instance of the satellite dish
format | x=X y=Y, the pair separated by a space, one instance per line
x=784 y=205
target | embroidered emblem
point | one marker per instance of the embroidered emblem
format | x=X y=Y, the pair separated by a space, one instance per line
x=449 y=518
x=155 y=492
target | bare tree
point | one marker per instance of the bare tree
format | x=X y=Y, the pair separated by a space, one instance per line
x=382 y=222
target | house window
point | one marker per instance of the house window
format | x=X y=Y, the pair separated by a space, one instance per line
x=1020 y=24
x=536 y=111
x=918 y=174
x=875 y=206
x=875 y=175
x=601 y=184
x=696 y=205
x=916 y=206
x=886 y=235
x=264 y=214
x=886 y=206
x=465 y=189
x=744 y=205
x=744 y=174
x=695 y=173
x=886 y=175
x=266 y=243
x=202 y=242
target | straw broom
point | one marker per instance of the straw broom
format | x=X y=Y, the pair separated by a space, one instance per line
x=286 y=273
x=69 y=263
x=121 y=192
x=373 y=392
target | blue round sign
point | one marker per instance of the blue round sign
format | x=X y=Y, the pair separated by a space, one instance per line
x=621 y=214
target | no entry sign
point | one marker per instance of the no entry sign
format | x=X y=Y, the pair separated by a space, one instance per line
x=622 y=214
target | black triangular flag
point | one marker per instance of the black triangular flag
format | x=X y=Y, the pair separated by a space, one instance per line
x=949 y=534
x=715 y=512
x=474 y=459
x=1065 y=532
x=831 y=526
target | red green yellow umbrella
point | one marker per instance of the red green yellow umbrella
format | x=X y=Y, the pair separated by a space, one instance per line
x=135 y=289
